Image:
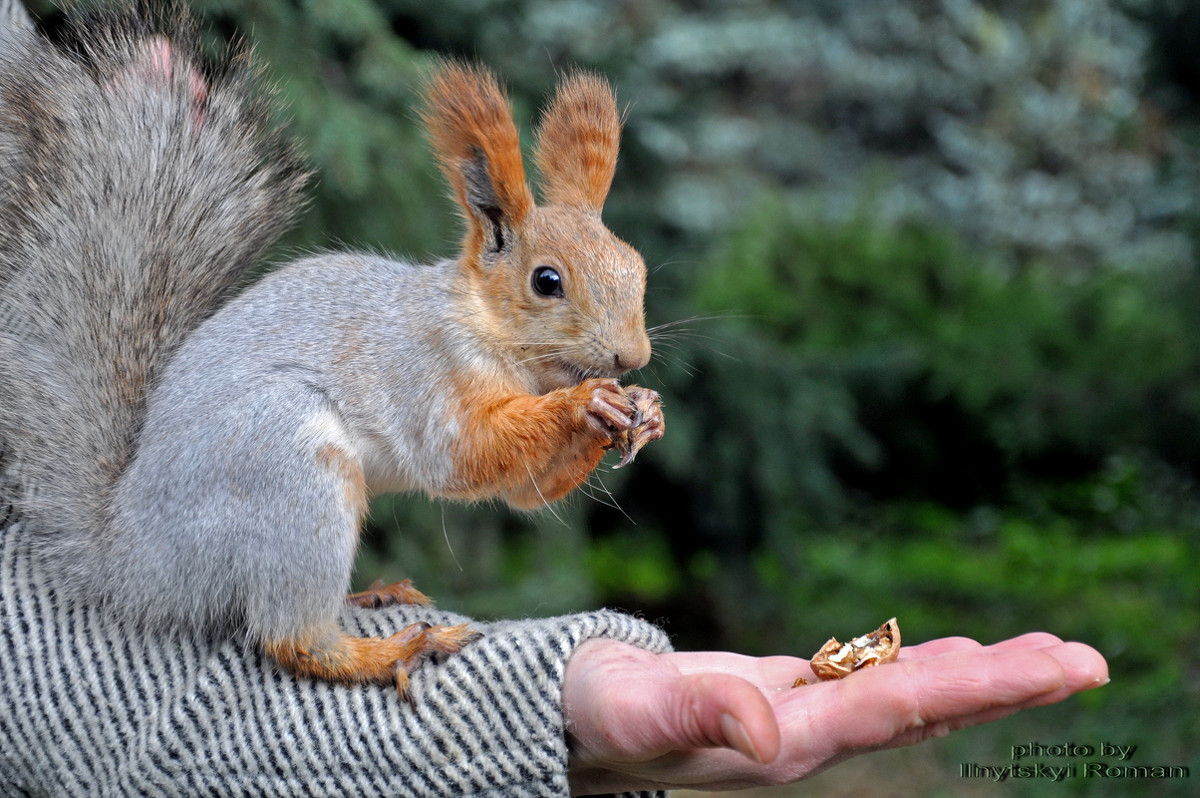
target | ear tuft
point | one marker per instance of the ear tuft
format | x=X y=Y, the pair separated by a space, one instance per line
x=577 y=142
x=471 y=128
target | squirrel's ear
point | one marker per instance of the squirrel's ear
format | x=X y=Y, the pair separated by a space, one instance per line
x=577 y=141
x=471 y=128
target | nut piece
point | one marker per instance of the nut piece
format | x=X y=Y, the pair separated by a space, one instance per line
x=838 y=660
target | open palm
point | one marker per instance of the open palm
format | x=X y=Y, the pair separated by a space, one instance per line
x=716 y=720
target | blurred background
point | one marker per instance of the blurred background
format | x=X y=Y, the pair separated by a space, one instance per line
x=925 y=286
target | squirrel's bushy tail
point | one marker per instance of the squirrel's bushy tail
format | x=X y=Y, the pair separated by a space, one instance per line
x=136 y=188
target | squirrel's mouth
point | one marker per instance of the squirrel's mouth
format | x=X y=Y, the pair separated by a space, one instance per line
x=575 y=373
x=565 y=374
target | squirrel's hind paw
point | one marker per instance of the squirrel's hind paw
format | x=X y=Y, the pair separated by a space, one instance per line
x=450 y=639
x=331 y=654
x=421 y=640
x=440 y=639
x=380 y=595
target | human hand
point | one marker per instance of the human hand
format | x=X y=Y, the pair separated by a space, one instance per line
x=716 y=720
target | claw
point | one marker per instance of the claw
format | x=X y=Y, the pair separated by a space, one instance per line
x=648 y=425
x=383 y=595
x=401 y=681
x=423 y=639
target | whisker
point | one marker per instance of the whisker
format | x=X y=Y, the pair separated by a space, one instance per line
x=544 y=342
x=536 y=358
x=545 y=503
x=586 y=489
x=656 y=268
x=682 y=364
x=615 y=503
x=684 y=334
x=446 y=535
x=699 y=317
x=675 y=341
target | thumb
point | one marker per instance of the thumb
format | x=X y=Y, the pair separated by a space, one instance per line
x=713 y=710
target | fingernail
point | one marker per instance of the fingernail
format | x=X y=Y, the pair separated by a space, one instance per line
x=736 y=734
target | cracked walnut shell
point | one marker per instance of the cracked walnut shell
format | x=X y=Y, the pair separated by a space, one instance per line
x=838 y=660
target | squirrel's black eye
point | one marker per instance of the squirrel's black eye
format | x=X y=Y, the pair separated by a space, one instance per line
x=546 y=281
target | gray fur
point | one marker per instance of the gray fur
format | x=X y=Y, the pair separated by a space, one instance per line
x=223 y=510
x=13 y=16
x=131 y=203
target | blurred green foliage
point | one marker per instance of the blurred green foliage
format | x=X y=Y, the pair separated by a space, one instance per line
x=926 y=302
x=890 y=423
x=1030 y=368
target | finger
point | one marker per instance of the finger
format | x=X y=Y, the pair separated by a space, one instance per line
x=1083 y=669
x=720 y=711
x=934 y=648
x=1030 y=640
x=697 y=711
x=877 y=705
x=677 y=701
x=765 y=672
x=781 y=671
x=641 y=435
x=609 y=413
x=1084 y=666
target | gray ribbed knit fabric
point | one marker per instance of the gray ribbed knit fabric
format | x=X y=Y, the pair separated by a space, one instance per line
x=86 y=709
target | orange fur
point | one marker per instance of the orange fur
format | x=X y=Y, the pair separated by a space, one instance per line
x=605 y=316
x=467 y=115
x=527 y=448
x=577 y=142
x=350 y=470
x=382 y=595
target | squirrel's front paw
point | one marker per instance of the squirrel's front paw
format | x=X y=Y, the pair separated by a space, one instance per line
x=625 y=419
x=628 y=417
x=608 y=409
x=648 y=424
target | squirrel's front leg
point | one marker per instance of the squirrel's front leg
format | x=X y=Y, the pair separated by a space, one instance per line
x=532 y=450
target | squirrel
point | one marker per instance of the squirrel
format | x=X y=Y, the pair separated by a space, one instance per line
x=190 y=456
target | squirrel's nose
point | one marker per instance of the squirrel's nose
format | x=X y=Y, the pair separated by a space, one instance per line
x=633 y=355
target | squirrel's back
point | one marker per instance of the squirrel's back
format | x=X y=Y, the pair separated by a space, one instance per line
x=137 y=186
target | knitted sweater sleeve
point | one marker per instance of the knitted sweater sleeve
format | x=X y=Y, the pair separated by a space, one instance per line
x=87 y=709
